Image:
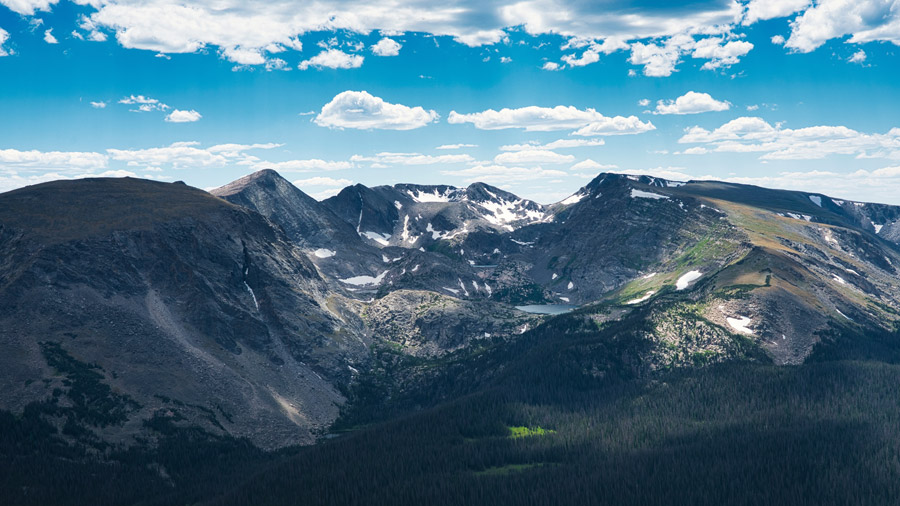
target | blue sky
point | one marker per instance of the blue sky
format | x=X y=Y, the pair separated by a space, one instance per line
x=534 y=96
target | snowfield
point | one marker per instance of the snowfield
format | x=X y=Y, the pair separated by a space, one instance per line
x=685 y=280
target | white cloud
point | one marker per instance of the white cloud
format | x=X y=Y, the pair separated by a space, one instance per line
x=4 y=36
x=592 y=165
x=180 y=155
x=145 y=104
x=179 y=116
x=551 y=66
x=644 y=102
x=618 y=125
x=322 y=181
x=755 y=135
x=49 y=38
x=586 y=58
x=691 y=102
x=386 y=47
x=753 y=107
x=62 y=160
x=544 y=119
x=658 y=61
x=864 y=20
x=696 y=150
x=720 y=53
x=500 y=174
x=532 y=156
x=28 y=7
x=313 y=164
x=98 y=105
x=456 y=146
x=592 y=53
x=778 y=40
x=386 y=158
x=505 y=59
x=760 y=10
x=858 y=57
x=236 y=150
x=557 y=144
x=360 y=110
x=334 y=59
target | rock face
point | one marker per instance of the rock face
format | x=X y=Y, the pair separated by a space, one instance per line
x=176 y=297
x=428 y=324
x=330 y=242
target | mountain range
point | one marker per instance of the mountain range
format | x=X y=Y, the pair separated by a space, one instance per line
x=135 y=310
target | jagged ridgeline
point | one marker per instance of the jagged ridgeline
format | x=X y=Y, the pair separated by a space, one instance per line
x=385 y=346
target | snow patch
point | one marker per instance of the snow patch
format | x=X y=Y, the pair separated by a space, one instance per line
x=877 y=228
x=365 y=280
x=574 y=199
x=564 y=299
x=420 y=196
x=571 y=285
x=647 y=195
x=554 y=276
x=642 y=299
x=255 y=303
x=740 y=324
x=817 y=200
x=382 y=239
x=398 y=205
x=324 y=253
x=685 y=280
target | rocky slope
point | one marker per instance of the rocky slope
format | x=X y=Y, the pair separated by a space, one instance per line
x=189 y=309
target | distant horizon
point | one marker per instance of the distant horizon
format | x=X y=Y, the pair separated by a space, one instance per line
x=533 y=97
x=209 y=189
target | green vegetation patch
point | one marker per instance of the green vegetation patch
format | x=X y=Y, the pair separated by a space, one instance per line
x=522 y=431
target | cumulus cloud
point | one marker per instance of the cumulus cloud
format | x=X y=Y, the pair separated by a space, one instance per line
x=532 y=156
x=593 y=51
x=557 y=144
x=691 y=102
x=719 y=53
x=322 y=181
x=500 y=174
x=660 y=59
x=308 y=165
x=864 y=20
x=98 y=105
x=456 y=146
x=4 y=35
x=592 y=165
x=28 y=7
x=755 y=135
x=145 y=104
x=858 y=57
x=179 y=116
x=49 y=38
x=545 y=119
x=386 y=47
x=61 y=160
x=333 y=59
x=387 y=158
x=551 y=66
x=363 y=111
x=760 y=10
